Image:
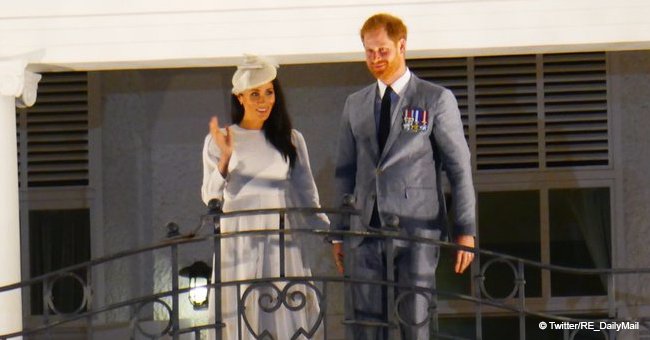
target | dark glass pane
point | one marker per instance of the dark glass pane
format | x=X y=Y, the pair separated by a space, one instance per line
x=533 y=331
x=580 y=238
x=500 y=328
x=447 y=281
x=58 y=239
x=508 y=327
x=509 y=223
x=454 y=327
x=494 y=328
x=449 y=284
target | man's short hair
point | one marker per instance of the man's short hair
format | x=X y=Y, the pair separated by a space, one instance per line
x=393 y=25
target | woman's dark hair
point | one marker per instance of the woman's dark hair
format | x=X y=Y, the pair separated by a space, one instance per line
x=277 y=128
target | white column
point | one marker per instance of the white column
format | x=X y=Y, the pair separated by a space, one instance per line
x=17 y=87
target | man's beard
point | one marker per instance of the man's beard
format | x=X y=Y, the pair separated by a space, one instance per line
x=387 y=72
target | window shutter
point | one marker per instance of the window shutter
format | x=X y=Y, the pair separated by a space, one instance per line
x=57 y=132
x=575 y=102
x=529 y=111
x=506 y=112
x=450 y=73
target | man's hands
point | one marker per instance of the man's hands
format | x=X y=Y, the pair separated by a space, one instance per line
x=337 y=252
x=224 y=142
x=464 y=258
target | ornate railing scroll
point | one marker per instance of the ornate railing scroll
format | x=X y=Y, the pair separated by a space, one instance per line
x=278 y=292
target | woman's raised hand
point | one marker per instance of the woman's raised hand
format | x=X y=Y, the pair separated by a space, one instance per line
x=224 y=142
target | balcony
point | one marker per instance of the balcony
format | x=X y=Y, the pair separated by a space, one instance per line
x=161 y=315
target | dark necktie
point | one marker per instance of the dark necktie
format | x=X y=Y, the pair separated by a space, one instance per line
x=384 y=119
x=382 y=136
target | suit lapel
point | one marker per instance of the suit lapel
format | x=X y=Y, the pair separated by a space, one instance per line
x=396 y=124
x=368 y=120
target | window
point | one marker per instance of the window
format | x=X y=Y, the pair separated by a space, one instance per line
x=56 y=132
x=54 y=180
x=579 y=237
x=507 y=327
x=509 y=223
x=529 y=111
x=58 y=239
x=538 y=129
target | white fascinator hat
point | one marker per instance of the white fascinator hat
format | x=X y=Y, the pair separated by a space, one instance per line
x=253 y=72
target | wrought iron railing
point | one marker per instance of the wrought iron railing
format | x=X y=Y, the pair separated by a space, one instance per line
x=279 y=291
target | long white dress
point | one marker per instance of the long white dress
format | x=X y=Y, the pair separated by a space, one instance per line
x=259 y=177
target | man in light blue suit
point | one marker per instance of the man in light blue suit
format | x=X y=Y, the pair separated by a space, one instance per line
x=396 y=135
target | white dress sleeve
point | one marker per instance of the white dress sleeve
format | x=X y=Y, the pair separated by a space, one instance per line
x=302 y=185
x=213 y=181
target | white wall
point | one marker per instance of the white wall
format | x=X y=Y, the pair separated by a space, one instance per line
x=154 y=123
x=630 y=93
x=87 y=35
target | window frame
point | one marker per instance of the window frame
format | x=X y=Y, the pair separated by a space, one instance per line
x=543 y=179
x=65 y=197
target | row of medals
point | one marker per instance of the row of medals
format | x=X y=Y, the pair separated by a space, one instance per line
x=410 y=124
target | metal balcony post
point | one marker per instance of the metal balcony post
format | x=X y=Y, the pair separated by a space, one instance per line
x=435 y=324
x=175 y=303
x=47 y=288
x=521 y=287
x=89 y=302
x=476 y=288
x=348 y=259
x=282 y=245
x=391 y=312
x=217 y=211
x=611 y=301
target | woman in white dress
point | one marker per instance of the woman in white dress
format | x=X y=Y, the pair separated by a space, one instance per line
x=260 y=162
